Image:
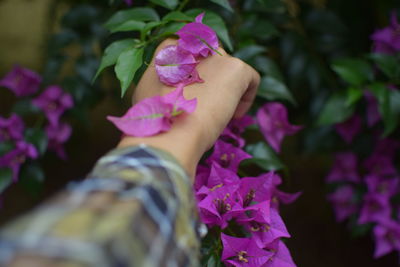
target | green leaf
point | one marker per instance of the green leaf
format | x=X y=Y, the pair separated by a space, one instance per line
x=138 y=14
x=5 y=146
x=224 y=4
x=129 y=61
x=150 y=26
x=25 y=107
x=112 y=52
x=354 y=71
x=264 y=157
x=216 y=23
x=389 y=106
x=177 y=16
x=267 y=67
x=335 y=110
x=169 y=4
x=5 y=179
x=248 y=52
x=31 y=178
x=273 y=89
x=38 y=138
x=388 y=64
x=130 y=25
x=258 y=28
x=171 y=28
x=353 y=95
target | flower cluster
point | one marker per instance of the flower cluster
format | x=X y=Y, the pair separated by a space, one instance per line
x=366 y=188
x=175 y=66
x=52 y=101
x=246 y=209
x=369 y=197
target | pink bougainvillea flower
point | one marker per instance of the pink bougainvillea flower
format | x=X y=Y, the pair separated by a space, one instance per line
x=57 y=136
x=387 y=147
x=217 y=177
x=128 y=2
x=380 y=164
x=375 y=206
x=256 y=189
x=387 y=40
x=274 y=125
x=227 y=155
x=154 y=114
x=349 y=129
x=344 y=168
x=385 y=186
x=266 y=231
x=220 y=206
x=16 y=157
x=197 y=38
x=178 y=101
x=11 y=128
x=343 y=201
x=23 y=82
x=281 y=256
x=54 y=102
x=175 y=65
x=243 y=252
x=387 y=237
x=235 y=128
x=373 y=115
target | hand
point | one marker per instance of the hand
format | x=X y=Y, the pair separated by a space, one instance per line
x=228 y=91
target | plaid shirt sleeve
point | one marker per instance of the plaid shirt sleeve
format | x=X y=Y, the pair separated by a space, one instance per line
x=136 y=208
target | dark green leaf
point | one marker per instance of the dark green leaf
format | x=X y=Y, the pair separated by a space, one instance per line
x=388 y=64
x=335 y=110
x=112 y=52
x=32 y=177
x=177 y=16
x=38 y=138
x=273 y=89
x=216 y=23
x=264 y=157
x=171 y=28
x=25 y=107
x=248 y=52
x=86 y=68
x=5 y=179
x=267 y=67
x=258 y=28
x=224 y=4
x=389 y=105
x=130 y=25
x=151 y=25
x=170 y=4
x=354 y=71
x=129 y=61
x=139 y=14
x=353 y=95
x=5 y=146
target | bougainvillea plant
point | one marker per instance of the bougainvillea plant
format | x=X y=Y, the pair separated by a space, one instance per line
x=364 y=180
x=241 y=211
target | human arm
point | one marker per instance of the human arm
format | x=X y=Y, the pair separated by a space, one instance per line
x=137 y=207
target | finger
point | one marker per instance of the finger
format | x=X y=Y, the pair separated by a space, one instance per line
x=249 y=95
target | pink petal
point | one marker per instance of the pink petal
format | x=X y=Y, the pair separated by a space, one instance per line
x=178 y=101
x=146 y=118
x=174 y=65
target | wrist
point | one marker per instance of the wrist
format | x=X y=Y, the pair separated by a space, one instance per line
x=183 y=141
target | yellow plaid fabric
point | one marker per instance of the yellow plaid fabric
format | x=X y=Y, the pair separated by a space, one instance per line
x=136 y=208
